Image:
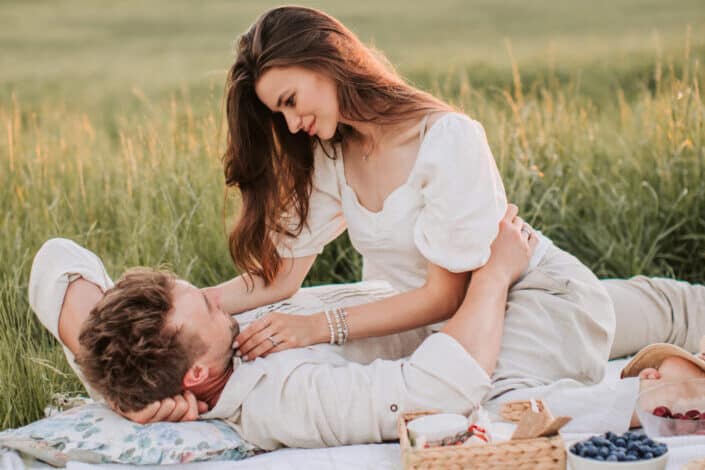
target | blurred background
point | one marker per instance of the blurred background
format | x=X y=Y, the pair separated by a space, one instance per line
x=111 y=133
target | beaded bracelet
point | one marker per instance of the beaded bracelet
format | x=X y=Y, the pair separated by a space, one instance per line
x=338 y=325
x=346 y=327
x=341 y=321
x=330 y=325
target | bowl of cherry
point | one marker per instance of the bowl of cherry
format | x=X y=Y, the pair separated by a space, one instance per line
x=611 y=451
x=673 y=409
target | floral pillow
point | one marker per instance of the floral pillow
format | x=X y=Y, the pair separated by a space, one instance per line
x=94 y=434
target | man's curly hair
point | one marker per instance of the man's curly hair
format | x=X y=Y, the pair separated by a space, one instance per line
x=130 y=354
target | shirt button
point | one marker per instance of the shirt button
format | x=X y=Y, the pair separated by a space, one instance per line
x=394 y=408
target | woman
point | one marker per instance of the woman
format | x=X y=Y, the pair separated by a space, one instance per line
x=324 y=136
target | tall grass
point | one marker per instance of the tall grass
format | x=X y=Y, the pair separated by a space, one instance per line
x=617 y=182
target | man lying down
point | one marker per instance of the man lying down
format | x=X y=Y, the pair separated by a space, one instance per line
x=153 y=336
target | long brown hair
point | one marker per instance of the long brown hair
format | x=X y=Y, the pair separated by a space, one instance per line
x=272 y=167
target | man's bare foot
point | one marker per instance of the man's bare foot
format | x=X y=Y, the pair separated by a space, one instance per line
x=672 y=369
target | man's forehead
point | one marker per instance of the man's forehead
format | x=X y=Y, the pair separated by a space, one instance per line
x=184 y=284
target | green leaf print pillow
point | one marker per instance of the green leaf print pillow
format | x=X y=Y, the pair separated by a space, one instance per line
x=94 y=434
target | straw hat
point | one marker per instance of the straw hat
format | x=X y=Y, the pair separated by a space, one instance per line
x=654 y=354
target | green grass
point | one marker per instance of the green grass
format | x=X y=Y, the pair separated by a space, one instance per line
x=110 y=134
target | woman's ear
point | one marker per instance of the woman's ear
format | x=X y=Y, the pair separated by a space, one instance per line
x=196 y=375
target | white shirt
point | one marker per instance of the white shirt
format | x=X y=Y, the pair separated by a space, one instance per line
x=447 y=212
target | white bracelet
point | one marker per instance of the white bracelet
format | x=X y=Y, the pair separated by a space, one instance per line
x=341 y=323
x=330 y=325
x=346 y=327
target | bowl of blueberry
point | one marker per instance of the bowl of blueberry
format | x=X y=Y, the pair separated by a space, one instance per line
x=673 y=409
x=608 y=451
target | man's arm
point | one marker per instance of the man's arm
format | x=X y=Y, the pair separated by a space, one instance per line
x=63 y=306
x=81 y=297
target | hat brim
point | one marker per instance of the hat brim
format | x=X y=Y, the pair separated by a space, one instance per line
x=653 y=355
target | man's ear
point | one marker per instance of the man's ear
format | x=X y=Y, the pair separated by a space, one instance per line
x=196 y=375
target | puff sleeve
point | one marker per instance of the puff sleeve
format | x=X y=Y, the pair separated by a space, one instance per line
x=325 y=215
x=463 y=195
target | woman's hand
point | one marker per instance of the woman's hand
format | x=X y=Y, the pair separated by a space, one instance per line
x=279 y=331
x=184 y=407
x=513 y=247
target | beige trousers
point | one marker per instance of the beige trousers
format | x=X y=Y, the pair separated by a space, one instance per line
x=656 y=310
x=564 y=323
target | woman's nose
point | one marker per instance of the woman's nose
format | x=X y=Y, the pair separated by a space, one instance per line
x=293 y=121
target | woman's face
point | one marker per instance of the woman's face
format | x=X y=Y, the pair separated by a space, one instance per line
x=307 y=99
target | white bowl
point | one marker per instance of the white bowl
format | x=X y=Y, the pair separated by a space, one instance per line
x=576 y=462
x=437 y=426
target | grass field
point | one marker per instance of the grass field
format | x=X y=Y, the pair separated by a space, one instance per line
x=111 y=134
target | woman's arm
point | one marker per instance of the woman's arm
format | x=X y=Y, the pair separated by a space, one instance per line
x=435 y=301
x=478 y=324
x=239 y=294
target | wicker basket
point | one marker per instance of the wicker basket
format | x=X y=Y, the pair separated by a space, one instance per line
x=543 y=453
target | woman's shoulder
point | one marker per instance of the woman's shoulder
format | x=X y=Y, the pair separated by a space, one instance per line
x=443 y=123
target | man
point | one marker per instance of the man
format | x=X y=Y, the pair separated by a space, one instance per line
x=152 y=335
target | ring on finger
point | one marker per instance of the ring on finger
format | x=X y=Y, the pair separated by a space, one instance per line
x=526 y=230
x=272 y=340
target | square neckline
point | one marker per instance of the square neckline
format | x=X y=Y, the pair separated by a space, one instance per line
x=423 y=134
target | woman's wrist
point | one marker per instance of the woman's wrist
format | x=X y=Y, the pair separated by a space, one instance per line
x=319 y=328
x=491 y=276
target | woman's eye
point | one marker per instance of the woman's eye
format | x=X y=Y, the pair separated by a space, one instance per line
x=291 y=101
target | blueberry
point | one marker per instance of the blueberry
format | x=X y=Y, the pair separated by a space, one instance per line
x=612 y=458
x=604 y=451
x=599 y=457
x=648 y=455
x=659 y=451
x=630 y=458
x=610 y=436
x=620 y=442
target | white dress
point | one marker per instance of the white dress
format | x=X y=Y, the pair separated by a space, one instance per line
x=447 y=212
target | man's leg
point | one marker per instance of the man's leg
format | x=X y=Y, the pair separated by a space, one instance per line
x=656 y=310
x=559 y=325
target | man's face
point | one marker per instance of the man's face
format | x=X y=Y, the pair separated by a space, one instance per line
x=197 y=312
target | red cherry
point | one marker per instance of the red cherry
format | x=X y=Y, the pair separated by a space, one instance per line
x=693 y=414
x=662 y=411
x=677 y=416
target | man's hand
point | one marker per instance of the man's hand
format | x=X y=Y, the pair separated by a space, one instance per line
x=184 y=407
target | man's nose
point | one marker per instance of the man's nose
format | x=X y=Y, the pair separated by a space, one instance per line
x=293 y=121
x=214 y=295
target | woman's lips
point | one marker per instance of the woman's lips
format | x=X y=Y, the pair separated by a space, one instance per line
x=311 y=128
